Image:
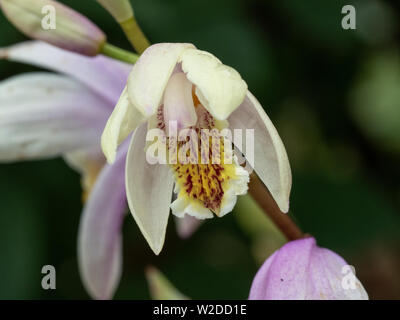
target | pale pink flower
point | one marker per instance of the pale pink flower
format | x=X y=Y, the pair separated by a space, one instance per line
x=45 y=115
x=301 y=270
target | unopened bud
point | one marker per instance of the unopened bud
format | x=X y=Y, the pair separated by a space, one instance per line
x=121 y=10
x=56 y=24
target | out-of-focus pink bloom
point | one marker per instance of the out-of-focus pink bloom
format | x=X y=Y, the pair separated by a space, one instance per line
x=45 y=115
x=301 y=270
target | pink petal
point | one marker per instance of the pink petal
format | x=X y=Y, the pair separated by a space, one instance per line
x=178 y=102
x=45 y=115
x=107 y=77
x=99 y=238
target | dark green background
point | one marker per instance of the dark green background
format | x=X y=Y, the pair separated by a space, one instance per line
x=333 y=95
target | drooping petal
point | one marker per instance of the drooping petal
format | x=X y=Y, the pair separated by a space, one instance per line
x=99 y=237
x=149 y=191
x=105 y=76
x=271 y=162
x=123 y=120
x=219 y=88
x=44 y=115
x=150 y=74
x=301 y=270
x=178 y=102
x=55 y=23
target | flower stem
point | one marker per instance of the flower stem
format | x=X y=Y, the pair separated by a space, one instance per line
x=135 y=35
x=118 y=53
x=263 y=198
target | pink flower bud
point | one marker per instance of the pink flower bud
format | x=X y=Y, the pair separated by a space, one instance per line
x=56 y=24
x=301 y=270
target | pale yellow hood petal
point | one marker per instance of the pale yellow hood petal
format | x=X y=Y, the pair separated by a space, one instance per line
x=219 y=88
x=150 y=74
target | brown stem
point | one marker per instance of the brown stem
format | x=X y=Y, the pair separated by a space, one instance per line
x=264 y=199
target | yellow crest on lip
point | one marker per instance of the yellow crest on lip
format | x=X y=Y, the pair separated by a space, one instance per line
x=205 y=183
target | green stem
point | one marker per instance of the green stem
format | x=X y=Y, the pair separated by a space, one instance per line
x=135 y=35
x=118 y=53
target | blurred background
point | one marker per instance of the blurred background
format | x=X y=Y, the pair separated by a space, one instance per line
x=334 y=96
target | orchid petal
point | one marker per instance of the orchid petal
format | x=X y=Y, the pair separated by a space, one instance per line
x=149 y=191
x=178 y=102
x=219 y=88
x=270 y=159
x=103 y=75
x=44 y=115
x=123 y=120
x=150 y=74
x=99 y=238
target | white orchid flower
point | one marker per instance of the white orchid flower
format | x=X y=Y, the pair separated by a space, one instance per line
x=175 y=82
